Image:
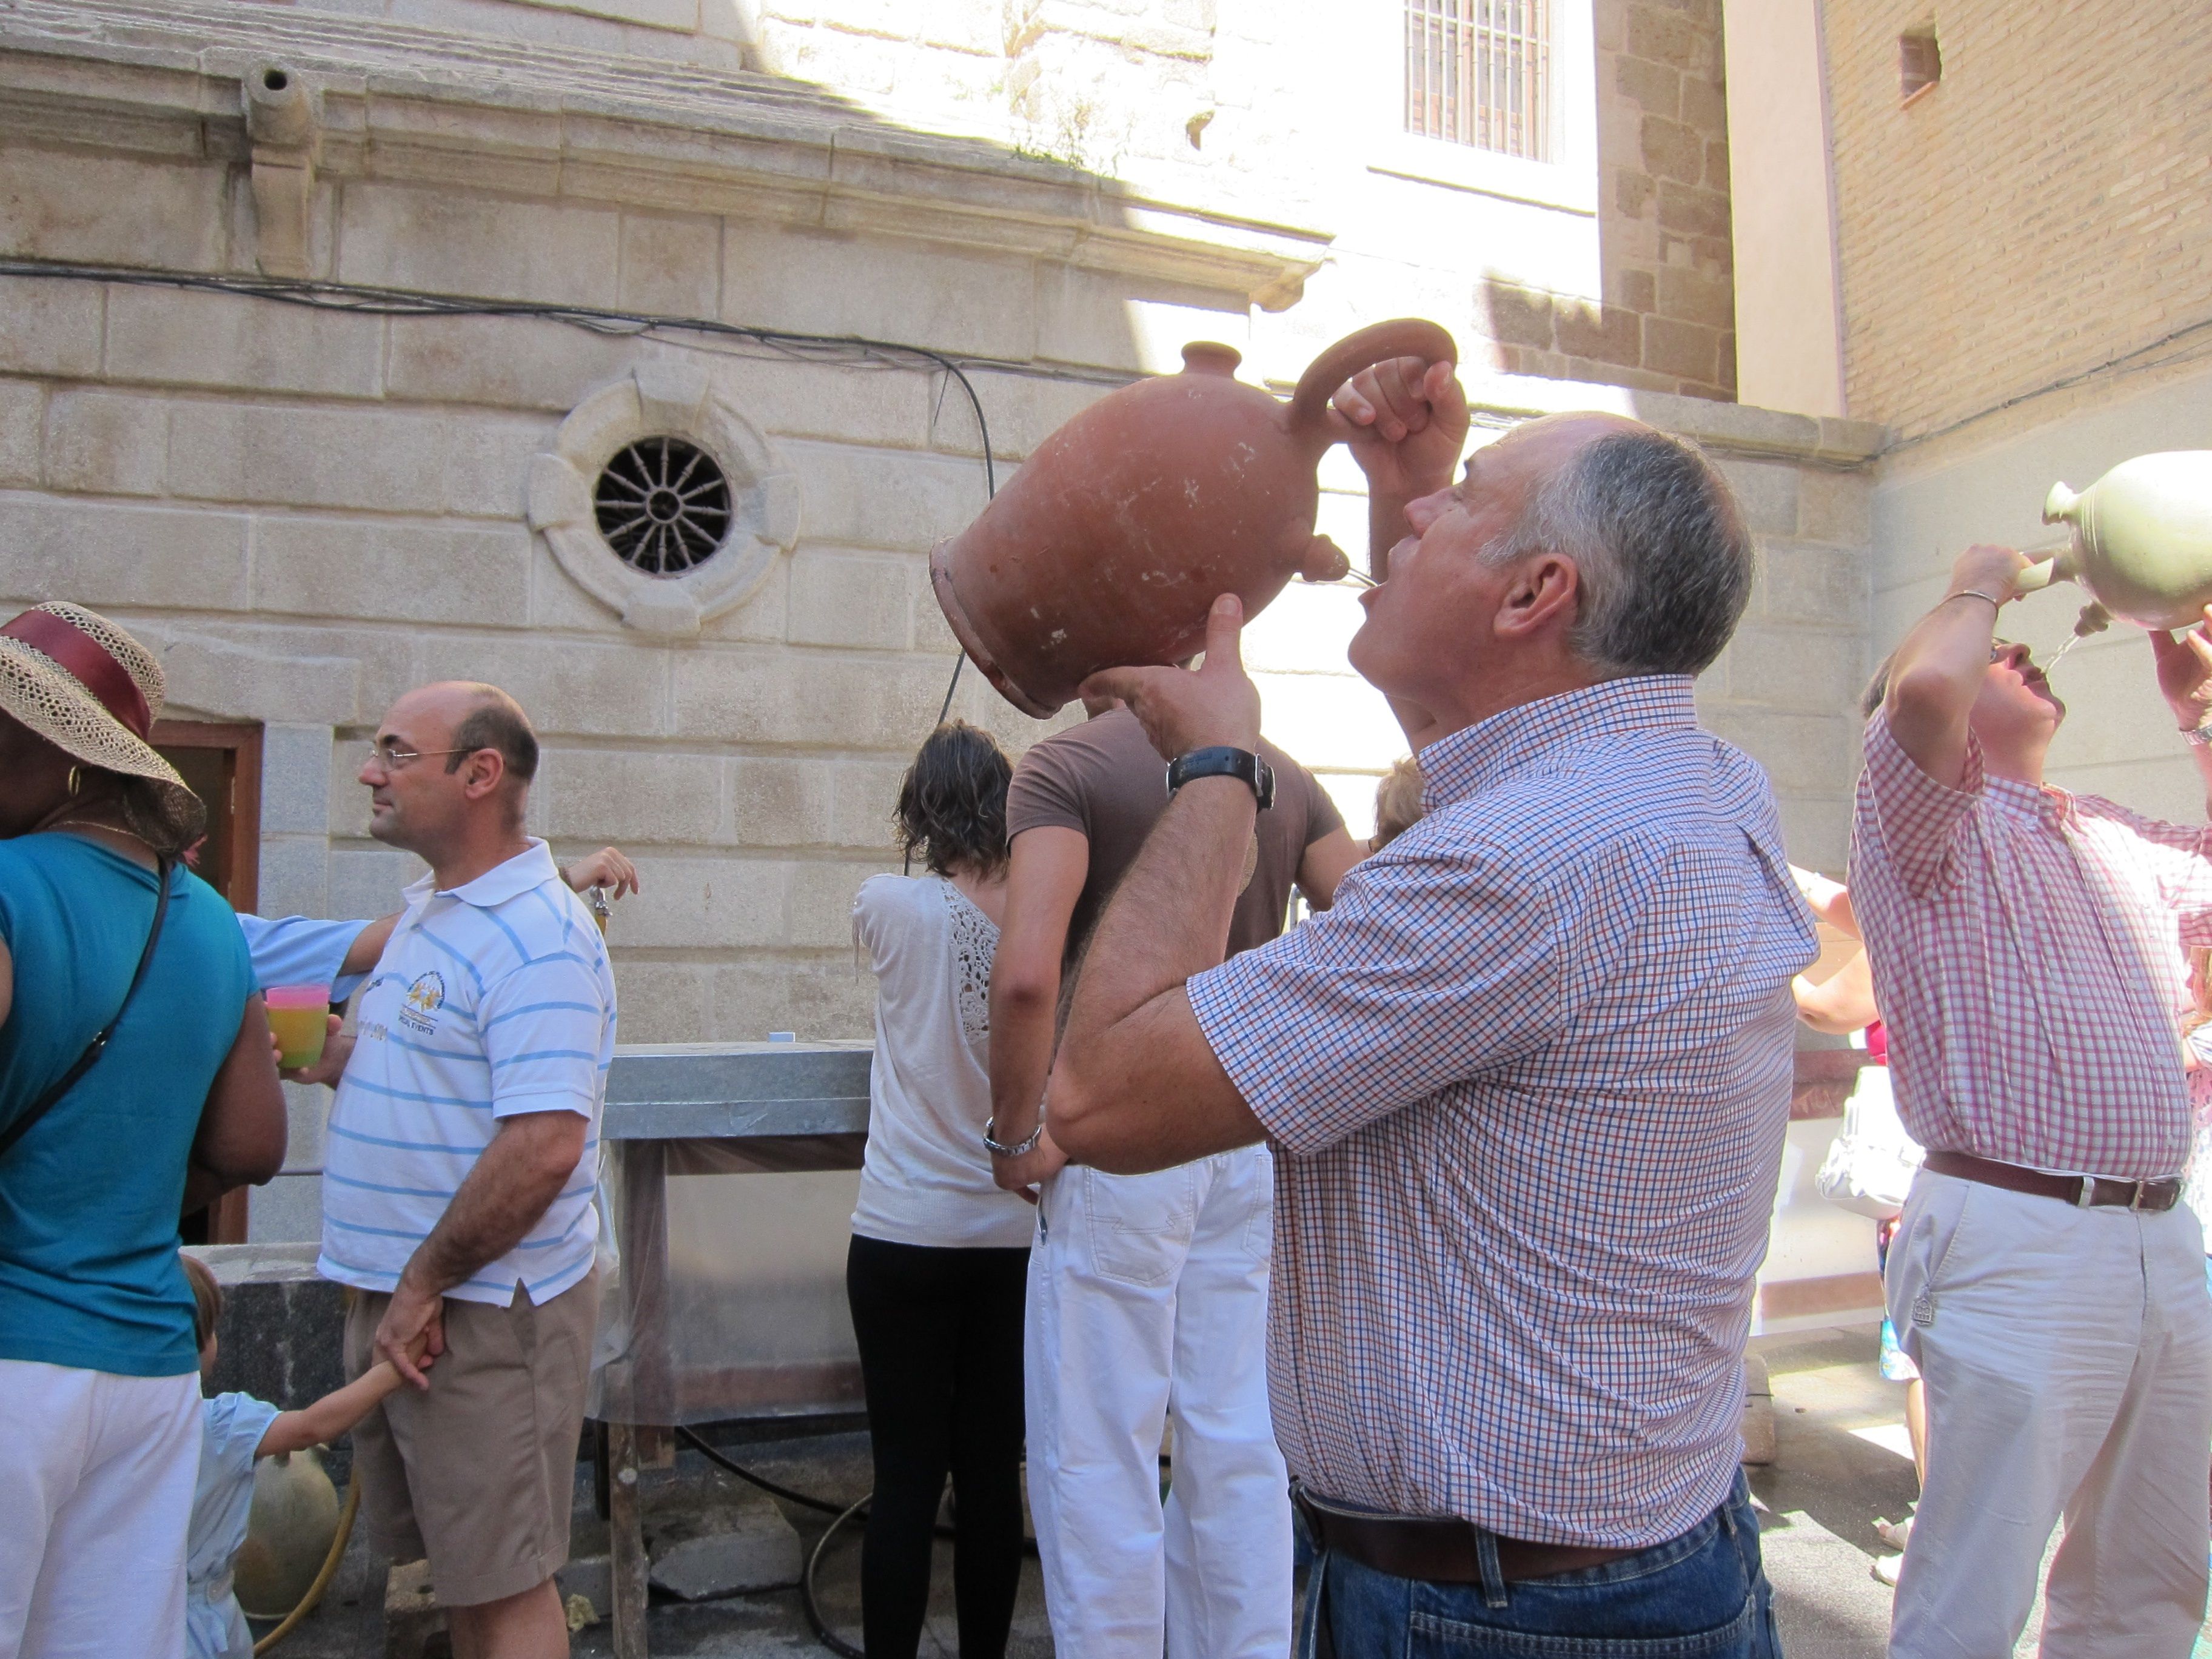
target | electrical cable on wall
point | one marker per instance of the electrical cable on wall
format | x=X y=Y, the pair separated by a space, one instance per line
x=407 y=302
x=2138 y=361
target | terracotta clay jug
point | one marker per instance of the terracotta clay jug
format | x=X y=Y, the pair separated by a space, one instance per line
x=2142 y=541
x=288 y=1530
x=1111 y=543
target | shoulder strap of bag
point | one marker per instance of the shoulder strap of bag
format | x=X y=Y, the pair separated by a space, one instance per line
x=39 y=1107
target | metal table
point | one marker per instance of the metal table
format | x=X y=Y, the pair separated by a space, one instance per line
x=669 y=1351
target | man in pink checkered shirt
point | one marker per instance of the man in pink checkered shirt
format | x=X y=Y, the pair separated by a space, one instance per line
x=1528 y=1079
x=2028 y=948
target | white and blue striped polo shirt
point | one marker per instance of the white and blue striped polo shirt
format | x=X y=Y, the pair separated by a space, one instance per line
x=493 y=998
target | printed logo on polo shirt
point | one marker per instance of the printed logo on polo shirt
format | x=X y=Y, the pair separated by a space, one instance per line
x=418 y=1010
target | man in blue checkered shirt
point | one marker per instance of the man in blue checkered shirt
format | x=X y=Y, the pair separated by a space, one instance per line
x=1527 y=1082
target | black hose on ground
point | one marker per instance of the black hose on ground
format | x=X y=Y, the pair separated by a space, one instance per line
x=808 y=1604
x=822 y=1633
x=729 y=1467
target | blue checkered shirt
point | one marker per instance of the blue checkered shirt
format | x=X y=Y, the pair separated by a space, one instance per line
x=1527 y=1082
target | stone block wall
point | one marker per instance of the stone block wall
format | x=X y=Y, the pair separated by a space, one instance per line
x=1292 y=111
x=1786 y=688
x=2036 y=212
x=373 y=518
x=1665 y=319
x=309 y=510
x=302 y=559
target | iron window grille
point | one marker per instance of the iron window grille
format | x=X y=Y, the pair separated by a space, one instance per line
x=1479 y=72
x=664 y=506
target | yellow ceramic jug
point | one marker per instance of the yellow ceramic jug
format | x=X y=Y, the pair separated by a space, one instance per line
x=2143 y=542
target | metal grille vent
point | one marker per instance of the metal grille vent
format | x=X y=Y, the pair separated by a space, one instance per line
x=664 y=506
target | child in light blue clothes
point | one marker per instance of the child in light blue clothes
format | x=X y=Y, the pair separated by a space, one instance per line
x=236 y=1430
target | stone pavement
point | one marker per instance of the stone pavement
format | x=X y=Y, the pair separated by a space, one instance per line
x=1841 y=1464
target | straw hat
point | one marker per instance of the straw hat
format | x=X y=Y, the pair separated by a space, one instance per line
x=87 y=687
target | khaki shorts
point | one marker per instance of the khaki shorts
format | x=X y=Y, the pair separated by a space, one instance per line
x=478 y=1474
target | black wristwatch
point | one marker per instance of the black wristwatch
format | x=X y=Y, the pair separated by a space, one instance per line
x=1222 y=761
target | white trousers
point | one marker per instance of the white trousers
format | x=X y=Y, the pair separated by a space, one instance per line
x=1148 y=1296
x=2067 y=1357
x=96 y=1478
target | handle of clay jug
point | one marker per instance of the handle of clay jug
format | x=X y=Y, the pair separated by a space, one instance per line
x=2060 y=506
x=1402 y=336
x=2037 y=577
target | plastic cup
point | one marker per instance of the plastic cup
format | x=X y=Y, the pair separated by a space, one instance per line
x=300 y=1016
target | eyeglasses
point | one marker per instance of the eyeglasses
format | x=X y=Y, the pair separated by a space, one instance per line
x=393 y=758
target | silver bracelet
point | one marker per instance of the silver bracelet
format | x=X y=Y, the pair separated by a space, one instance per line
x=2199 y=735
x=1973 y=594
x=1026 y=1144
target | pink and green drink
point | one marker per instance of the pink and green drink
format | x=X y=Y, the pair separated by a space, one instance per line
x=298 y=1018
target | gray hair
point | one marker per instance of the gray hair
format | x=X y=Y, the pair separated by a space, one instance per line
x=1663 y=559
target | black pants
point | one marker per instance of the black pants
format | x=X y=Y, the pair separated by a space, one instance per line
x=940 y=1335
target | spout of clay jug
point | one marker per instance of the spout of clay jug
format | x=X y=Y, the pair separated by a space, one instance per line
x=2093 y=619
x=1325 y=561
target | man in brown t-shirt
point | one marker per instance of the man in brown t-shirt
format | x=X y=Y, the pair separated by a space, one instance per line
x=1147 y=1293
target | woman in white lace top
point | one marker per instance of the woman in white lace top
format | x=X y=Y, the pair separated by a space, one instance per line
x=939 y=1257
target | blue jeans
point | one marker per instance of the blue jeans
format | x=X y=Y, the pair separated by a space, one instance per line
x=1702 y=1595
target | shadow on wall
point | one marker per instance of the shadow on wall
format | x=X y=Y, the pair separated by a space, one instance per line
x=1531 y=331
x=1665 y=256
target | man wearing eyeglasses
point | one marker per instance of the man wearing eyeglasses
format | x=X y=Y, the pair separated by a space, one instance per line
x=2028 y=949
x=459 y=1176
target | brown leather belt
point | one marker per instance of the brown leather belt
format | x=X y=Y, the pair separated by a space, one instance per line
x=1440 y=1549
x=2079 y=1190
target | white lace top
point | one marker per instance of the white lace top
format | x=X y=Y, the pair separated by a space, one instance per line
x=926 y=1179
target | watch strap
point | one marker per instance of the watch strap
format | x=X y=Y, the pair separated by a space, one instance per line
x=1222 y=761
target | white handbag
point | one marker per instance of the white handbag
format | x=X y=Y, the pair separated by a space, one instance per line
x=1869 y=1168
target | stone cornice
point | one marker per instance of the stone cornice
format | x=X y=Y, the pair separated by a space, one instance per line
x=1726 y=428
x=424 y=106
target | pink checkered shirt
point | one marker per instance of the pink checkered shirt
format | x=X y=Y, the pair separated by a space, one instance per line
x=2028 y=952
x=1527 y=1083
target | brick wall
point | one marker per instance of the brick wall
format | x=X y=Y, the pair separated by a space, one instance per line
x=1667 y=316
x=2038 y=211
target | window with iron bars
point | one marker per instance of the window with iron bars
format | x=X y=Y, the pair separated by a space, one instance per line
x=1479 y=72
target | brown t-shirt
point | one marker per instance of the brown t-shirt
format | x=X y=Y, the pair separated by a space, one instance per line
x=1104 y=780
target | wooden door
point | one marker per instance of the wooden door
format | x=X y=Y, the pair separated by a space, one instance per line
x=222 y=764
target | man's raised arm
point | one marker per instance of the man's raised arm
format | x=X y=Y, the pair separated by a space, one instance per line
x=2184 y=680
x=1937 y=673
x=1406 y=423
x=1137 y=1085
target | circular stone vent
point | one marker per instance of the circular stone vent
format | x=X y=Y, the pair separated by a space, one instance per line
x=663 y=505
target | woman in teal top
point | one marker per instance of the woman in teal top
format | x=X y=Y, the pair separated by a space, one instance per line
x=98 y=1370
